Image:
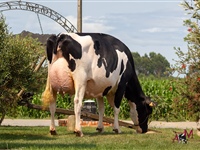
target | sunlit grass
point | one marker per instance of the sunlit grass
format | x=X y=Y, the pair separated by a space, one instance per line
x=39 y=138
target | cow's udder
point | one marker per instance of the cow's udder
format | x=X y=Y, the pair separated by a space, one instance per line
x=60 y=77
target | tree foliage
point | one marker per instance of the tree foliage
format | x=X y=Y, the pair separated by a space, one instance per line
x=188 y=64
x=152 y=64
x=17 y=60
x=3 y=32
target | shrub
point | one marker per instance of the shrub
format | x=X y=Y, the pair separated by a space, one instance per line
x=188 y=65
x=17 y=60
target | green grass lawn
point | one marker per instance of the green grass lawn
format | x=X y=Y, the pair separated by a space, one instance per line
x=39 y=138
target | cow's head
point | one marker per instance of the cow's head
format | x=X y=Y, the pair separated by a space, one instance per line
x=144 y=109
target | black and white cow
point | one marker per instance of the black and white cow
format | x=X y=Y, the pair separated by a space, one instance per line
x=94 y=65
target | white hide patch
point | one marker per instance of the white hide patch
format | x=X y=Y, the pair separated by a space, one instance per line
x=133 y=113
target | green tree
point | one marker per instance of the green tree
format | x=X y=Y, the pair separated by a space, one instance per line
x=152 y=64
x=188 y=64
x=3 y=32
x=137 y=61
x=17 y=60
x=159 y=64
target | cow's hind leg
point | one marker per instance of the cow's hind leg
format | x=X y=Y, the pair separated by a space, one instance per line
x=52 y=108
x=117 y=101
x=77 y=108
x=116 y=128
x=100 y=102
x=115 y=106
x=77 y=111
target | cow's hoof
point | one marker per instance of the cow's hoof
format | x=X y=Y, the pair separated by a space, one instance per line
x=198 y=131
x=139 y=130
x=78 y=133
x=100 y=130
x=117 y=131
x=53 y=132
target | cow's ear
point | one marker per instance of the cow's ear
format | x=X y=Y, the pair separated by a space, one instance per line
x=51 y=42
x=150 y=102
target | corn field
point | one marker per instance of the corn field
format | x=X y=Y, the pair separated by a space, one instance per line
x=164 y=91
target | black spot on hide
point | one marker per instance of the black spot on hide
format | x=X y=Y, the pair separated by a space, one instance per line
x=105 y=92
x=96 y=46
x=122 y=67
x=105 y=47
x=69 y=46
x=72 y=65
x=50 y=48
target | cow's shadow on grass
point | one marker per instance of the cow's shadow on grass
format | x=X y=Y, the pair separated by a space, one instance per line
x=108 y=132
x=16 y=145
x=14 y=136
x=20 y=137
x=33 y=141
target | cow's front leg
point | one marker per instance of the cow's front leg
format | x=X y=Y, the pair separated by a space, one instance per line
x=100 y=102
x=52 y=108
x=116 y=128
x=134 y=116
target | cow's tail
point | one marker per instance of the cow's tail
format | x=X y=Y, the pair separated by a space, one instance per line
x=48 y=96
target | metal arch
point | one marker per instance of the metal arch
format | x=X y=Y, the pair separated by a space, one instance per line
x=39 y=9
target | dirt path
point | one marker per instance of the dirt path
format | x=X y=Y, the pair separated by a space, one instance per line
x=153 y=124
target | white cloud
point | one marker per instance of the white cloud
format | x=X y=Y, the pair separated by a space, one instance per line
x=96 y=27
x=151 y=30
x=72 y=19
x=157 y=29
x=91 y=24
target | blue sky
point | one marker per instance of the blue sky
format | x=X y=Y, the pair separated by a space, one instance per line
x=143 y=25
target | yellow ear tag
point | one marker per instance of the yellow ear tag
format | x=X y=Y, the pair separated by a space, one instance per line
x=151 y=104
